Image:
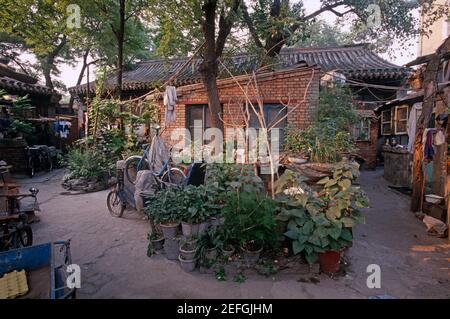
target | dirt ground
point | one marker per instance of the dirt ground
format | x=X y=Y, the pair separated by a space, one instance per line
x=112 y=253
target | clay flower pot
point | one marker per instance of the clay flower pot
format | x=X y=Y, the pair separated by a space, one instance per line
x=228 y=251
x=158 y=244
x=172 y=248
x=169 y=229
x=187 y=250
x=187 y=265
x=203 y=227
x=330 y=261
x=251 y=253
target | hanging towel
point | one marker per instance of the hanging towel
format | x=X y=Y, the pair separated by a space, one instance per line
x=428 y=146
x=170 y=101
x=412 y=126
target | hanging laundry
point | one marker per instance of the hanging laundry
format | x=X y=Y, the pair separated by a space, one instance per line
x=428 y=149
x=170 y=101
x=62 y=128
x=412 y=125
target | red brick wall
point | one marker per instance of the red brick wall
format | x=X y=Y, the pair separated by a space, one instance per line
x=289 y=87
x=368 y=150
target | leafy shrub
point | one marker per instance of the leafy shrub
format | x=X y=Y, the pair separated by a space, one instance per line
x=192 y=204
x=321 y=221
x=329 y=137
x=87 y=163
x=250 y=217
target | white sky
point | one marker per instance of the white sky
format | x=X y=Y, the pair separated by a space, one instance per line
x=69 y=74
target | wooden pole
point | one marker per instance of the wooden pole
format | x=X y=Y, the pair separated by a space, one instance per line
x=430 y=85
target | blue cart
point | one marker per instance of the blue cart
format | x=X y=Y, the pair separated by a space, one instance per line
x=45 y=266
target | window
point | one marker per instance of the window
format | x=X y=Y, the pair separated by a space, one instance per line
x=198 y=113
x=273 y=115
x=362 y=130
x=386 y=122
x=401 y=120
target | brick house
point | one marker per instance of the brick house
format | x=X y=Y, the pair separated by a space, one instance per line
x=285 y=84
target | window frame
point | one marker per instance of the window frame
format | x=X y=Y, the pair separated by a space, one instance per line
x=397 y=120
x=361 y=127
x=383 y=122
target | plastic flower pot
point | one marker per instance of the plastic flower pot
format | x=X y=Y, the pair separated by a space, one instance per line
x=158 y=244
x=172 y=248
x=187 y=250
x=251 y=253
x=189 y=229
x=329 y=261
x=187 y=265
x=169 y=230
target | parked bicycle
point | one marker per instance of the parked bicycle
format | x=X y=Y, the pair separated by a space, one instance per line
x=167 y=176
x=39 y=157
x=14 y=232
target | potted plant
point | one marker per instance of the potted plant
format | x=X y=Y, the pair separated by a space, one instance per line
x=197 y=208
x=165 y=209
x=320 y=222
x=157 y=240
x=250 y=221
x=187 y=265
x=188 y=249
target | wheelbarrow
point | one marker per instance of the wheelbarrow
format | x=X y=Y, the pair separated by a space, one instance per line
x=46 y=269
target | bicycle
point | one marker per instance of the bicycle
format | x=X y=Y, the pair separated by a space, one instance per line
x=14 y=232
x=167 y=176
x=38 y=157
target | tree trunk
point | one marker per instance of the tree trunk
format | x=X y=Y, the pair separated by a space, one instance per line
x=120 y=42
x=47 y=62
x=209 y=78
x=81 y=75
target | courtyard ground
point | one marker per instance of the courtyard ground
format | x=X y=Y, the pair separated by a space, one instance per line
x=112 y=252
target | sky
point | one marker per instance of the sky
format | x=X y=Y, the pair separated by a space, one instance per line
x=69 y=74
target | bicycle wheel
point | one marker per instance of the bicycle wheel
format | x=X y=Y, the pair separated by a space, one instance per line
x=133 y=165
x=31 y=167
x=47 y=163
x=115 y=205
x=173 y=177
x=25 y=236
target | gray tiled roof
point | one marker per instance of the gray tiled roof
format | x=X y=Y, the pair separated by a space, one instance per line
x=355 y=62
x=15 y=82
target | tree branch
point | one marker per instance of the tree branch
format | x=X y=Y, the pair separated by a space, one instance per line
x=225 y=25
x=248 y=20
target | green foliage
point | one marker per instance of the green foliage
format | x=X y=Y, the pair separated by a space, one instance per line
x=197 y=203
x=336 y=107
x=192 y=204
x=329 y=137
x=250 y=217
x=321 y=221
x=88 y=163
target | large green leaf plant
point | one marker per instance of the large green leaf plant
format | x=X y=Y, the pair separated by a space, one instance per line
x=321 y=218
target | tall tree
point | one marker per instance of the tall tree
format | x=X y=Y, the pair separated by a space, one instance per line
x=273 y=23
x=207 y=22
x=39 y=25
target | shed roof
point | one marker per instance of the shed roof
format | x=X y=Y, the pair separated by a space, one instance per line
x=355 y=62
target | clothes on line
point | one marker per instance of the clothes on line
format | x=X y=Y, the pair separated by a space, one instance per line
x=412 y=125
x=62 y=128
x=170 y=101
